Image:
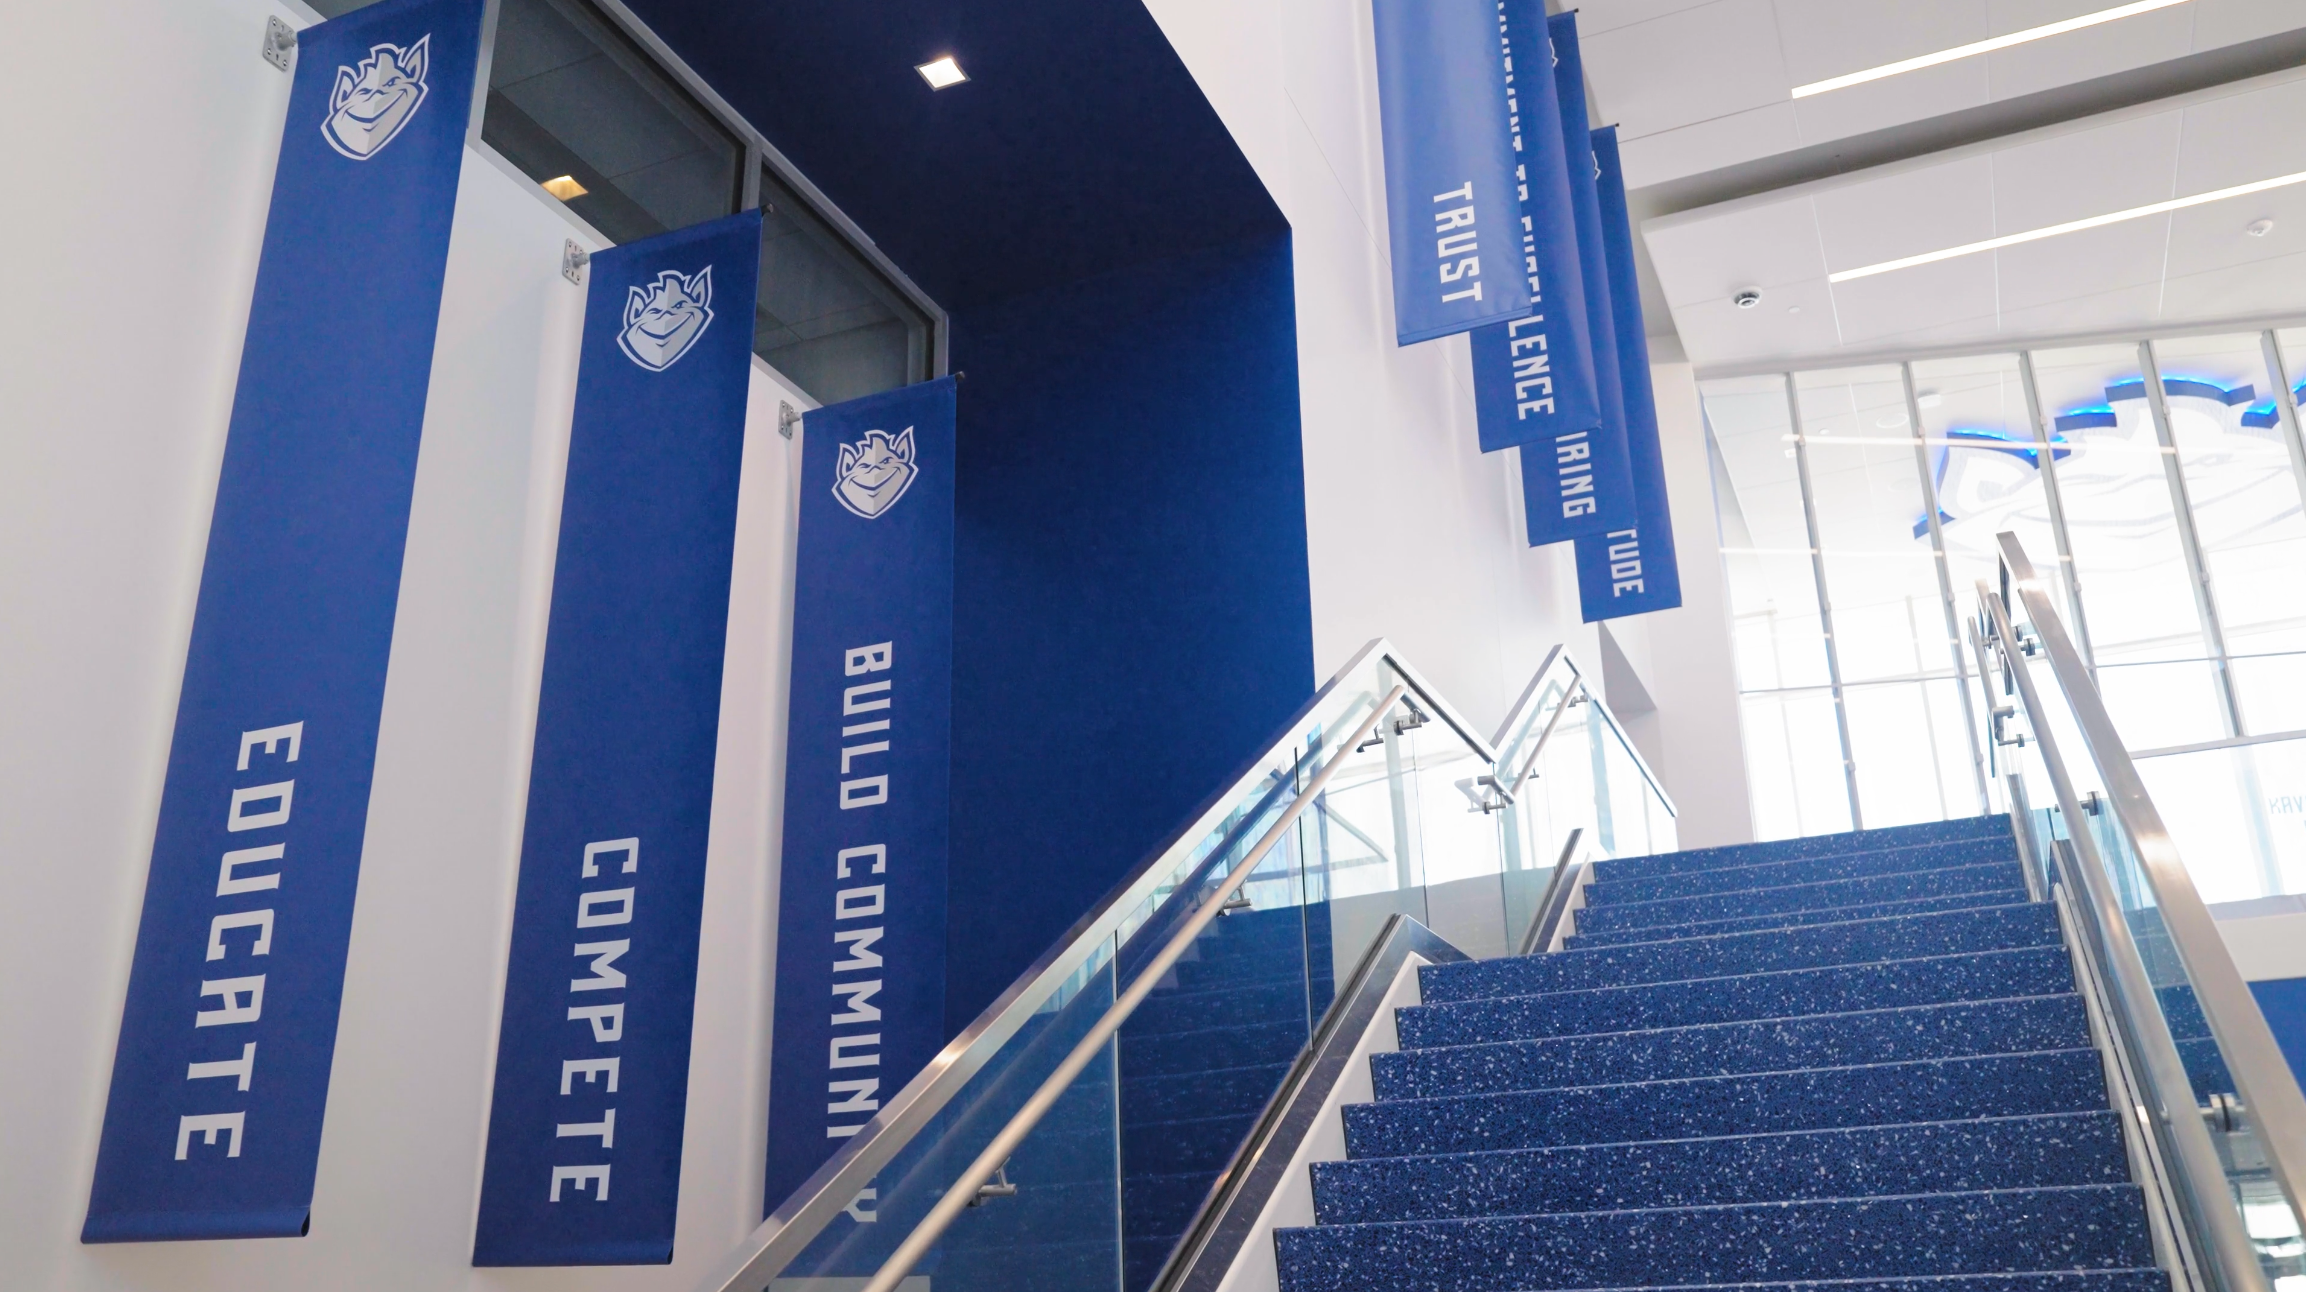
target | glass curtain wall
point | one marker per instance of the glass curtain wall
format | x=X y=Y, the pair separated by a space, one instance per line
x=2160 y=479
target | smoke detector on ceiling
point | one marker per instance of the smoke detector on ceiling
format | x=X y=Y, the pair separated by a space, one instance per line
x=1748 y=298
x=2258 y=228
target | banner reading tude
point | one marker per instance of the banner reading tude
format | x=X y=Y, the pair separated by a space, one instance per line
x=1542 y=481
x=860 y=990
x=212 y=1126
x=1533 y=378
x=1630 y=568
x=592 y=1060
x=1449 y=186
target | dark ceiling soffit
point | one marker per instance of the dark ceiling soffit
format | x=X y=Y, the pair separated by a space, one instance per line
x=2165 y=80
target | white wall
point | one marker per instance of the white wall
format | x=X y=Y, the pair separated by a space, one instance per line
x=135 y=254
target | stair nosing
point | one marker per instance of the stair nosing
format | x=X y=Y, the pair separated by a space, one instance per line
x=1812 y=910
x=2011 y=864
x=1797 y=861
x=1757 y=973
x=1708 y=1139
x=1782 y=1203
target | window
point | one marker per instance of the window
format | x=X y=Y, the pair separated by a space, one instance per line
x=826 y=319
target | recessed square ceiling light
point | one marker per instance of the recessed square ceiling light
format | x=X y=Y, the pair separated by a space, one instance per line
x=565 y=188
x=941 y=72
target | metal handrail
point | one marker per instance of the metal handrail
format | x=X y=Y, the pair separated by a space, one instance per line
x=2261 y=1075
x=1172 y=868
x=1518 y=720
x=963 y=1190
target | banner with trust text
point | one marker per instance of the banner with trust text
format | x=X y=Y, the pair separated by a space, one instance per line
x=860 y=987
x=212 y=1126
x=1449 y=186
x=1533 y=378
x=592 y=1062
x=1553 y=477
x=1630 y=568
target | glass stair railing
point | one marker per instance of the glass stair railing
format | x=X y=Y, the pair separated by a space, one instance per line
x=1070 y=1137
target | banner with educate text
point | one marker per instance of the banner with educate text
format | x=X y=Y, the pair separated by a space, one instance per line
x=1449 y=185
x=1629 y=569
x=592 y=1064
x=1545 y=475
x=860 y=986
x=212 y=1125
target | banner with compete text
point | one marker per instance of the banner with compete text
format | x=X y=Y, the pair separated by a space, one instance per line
x=212 y=1125
x=860 y=983
x=592 y=1065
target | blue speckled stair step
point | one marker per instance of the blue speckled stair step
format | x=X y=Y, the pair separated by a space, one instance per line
x=1856 y=942
x=2078 y=1227
x=1816 y=845
x=1928 y=1157
x=1784 y=993
x=1801 y=897
x=1606 y=888
x=1820 y=1041
x=1927 y=1090
x=1793 y=919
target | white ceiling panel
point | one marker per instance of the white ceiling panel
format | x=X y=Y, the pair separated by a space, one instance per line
x=1827 y=38
x=2103 y=50
x=2085 y=173
x=1893 y=100
x=1874 y=310
x=2095 y=260
x=1906 y=212
x=2215 y=235
x=1695 y=65
x=1761 y=246
x=1706 y=145
x=1596 y=16
x=2242 y=137
x=2228 y=22
x=1727 y=334
x=2275 y=286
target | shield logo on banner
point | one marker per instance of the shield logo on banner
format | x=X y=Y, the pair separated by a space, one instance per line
x=373 y=101
x=665 y=318
x=874 y=472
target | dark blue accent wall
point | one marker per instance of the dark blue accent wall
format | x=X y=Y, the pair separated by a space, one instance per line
x=1132 y=615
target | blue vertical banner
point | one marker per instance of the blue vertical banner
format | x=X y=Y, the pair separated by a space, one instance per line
x=592 y=1063
x=1552 y=481
x=860 y=996
x=1449 y=185
x=212 y=1126
x=1533 y=378
x=1630 y=568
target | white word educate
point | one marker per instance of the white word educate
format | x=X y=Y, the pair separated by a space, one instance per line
x=600 y=1067
x=855 y=949
x=1456 y=244
x=240 y=999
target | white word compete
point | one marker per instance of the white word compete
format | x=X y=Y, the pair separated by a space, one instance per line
x=601 y=1066
x=861 y=906
x=241 y=999
x=1457 y=244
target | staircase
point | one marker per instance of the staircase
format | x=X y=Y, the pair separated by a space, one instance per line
x=1856 y=1059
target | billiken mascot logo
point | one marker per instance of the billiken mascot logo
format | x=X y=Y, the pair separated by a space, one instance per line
x=874 y=472
x=373 y=101
x=665 y=318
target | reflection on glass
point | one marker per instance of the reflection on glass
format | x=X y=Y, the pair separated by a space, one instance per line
x=825 y=318
x=579 y=109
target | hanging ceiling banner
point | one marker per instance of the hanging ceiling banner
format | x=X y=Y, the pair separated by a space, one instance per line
x=1533 y=378
x=1449 y=184
x=1555 y=485
x=1629 y=569
x=860 y=986
x=212 y=1126
x=592 y=1061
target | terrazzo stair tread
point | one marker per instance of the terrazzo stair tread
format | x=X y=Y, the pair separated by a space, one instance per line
x=2131 y=1280
x=1903 y=937
x=1168 y=1011
x=1784 y=993
x=1922 y=1090
x=1185 y=1145
x=1801 y=897
x=1171 y=1053
x=1794 y=919
x=1816 y=845
x=1999 y=1231
x=1807 y=870
x=1925 y=1157
x=1214 y=1090
x=2028 y=1025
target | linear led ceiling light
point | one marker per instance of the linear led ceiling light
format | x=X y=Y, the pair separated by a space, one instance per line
x=1982 y=47
x=2071 y=226
x=941 y=72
